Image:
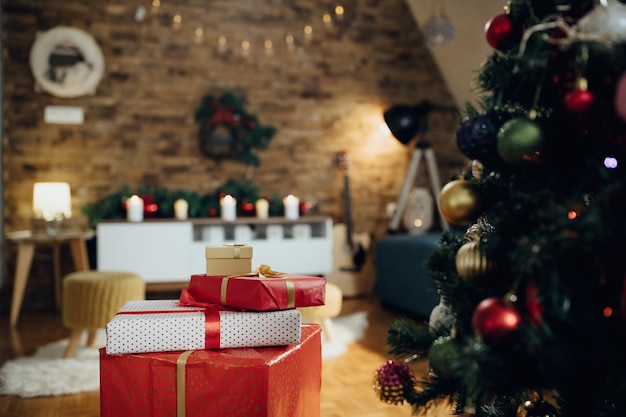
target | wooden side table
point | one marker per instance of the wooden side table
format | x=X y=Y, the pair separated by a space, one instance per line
x=26 y=241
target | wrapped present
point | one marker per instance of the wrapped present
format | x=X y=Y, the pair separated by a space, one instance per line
x=261 y=291
x=165 y=325
x=254 y=382
x=228 y=259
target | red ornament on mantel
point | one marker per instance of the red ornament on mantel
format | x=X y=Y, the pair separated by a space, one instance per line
x=499 y=31
x=578 y=101
x=150 y=208
x=494 y=319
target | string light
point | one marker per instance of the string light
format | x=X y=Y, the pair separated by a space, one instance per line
x=269 y=47
x=245 y=48
x=177 y=21
x=221 y=44
x=339 y=12
x=291 y=43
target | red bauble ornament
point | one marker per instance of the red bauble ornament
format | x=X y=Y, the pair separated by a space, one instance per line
x=494 y=319
x=499 y=31
x=578 y=101
x=150 y=208
x=533 y=304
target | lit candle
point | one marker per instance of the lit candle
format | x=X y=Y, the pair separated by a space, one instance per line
x=262 y=208
x=292 y=207
x=134 y=209
x=181 y=208
x=228 y=206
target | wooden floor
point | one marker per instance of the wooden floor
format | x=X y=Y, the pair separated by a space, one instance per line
x=346 y=380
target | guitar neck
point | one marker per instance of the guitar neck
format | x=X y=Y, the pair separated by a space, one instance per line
x=348 y=209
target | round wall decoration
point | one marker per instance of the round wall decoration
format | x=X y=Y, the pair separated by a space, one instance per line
x=66 y=62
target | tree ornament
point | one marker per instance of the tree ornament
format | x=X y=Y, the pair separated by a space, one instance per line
x=441 y=318
x=536 y=408
x=620 y=97
x=520 y=141
x=459 y=202
x=606 y=22
x=578 y=101
x=477 y=169
x=442 y=355
x=476 y=137
x=471 y=262
x=390 y=381
x=499 y=31
x=494 y=319
x=533 y=304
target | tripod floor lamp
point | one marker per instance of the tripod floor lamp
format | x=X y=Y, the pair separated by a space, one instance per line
x=405 y=123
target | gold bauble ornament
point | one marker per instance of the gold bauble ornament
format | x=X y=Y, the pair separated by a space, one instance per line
x=459 y=202
x=471 y=262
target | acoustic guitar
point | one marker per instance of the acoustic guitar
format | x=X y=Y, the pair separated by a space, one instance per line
x=352 y=270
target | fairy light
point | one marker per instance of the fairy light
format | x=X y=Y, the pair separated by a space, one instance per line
x=339 y=11
x=328 y=21
x=198 y=33
x=221 y=44
x=291 y=43
x=245 y=48
x=177 y=21
x=269 y=47
x=308 y=33
x=610 y=162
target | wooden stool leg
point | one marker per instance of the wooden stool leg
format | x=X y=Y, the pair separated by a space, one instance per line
x=328 y=329
x=72 y=347
x=91 y=337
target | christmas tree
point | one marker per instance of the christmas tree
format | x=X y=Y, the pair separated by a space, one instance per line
x=532 y=319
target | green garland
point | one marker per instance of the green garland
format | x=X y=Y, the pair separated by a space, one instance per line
x=227 y=131
x=112 y=205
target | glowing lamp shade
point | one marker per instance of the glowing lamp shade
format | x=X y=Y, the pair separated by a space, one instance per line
x=52 y=200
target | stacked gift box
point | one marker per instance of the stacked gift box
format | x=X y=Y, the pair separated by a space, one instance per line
x=232 y=344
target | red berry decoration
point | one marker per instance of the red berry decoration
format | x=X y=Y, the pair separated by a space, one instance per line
x=578 y=101
x=499 y=31
x=390 y=381
x=494 y=319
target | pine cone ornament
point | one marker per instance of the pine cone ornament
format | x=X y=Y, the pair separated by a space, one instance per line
x=390 y=381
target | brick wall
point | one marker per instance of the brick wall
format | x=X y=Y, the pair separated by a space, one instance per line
x=327 y=95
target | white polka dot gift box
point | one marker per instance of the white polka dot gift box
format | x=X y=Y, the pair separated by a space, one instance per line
x=164 y=325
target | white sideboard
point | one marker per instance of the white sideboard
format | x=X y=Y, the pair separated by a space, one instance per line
x=169 y=251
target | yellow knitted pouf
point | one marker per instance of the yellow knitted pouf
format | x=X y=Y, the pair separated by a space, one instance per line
x=322 y=315
x=92 y=298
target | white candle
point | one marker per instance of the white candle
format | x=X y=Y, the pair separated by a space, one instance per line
x=262 y=208
x=292 y=207
x=134 y=209
x=181 y=209
x=228 y=206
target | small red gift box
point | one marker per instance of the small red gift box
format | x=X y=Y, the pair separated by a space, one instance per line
x=256 y=292
x=255 y=382
x=164 y=325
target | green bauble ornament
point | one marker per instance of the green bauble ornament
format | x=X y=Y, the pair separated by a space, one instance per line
x=442 y=355
x=520 y=141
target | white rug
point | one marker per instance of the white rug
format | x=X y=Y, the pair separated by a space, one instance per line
x=46 y=373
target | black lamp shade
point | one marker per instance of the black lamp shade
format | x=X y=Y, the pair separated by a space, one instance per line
x=403 y=122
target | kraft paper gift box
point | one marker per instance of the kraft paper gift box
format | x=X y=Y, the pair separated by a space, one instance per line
x=256 y=292
x=233 y=259
x=254 y=382
x=164 y=325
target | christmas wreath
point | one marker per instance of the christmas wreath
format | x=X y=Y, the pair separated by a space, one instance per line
x=227 y=131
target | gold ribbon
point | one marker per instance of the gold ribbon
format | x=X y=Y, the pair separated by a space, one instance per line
x=236 y=249
x=181 y=384
x=263 y=271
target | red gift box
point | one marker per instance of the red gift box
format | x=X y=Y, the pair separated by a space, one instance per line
x=255 y=382
x=254 y=292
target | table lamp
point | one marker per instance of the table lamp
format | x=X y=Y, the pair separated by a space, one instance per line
x=52 y=203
